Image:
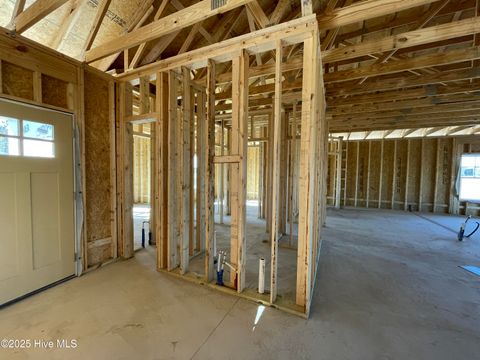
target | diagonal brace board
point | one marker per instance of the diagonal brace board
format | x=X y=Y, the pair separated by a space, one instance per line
x=164 y=26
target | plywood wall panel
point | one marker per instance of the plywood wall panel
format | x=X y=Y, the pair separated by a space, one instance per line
x=374 y=177
x=97 y=161
x=351 y=174
x=362 y=174
x=414 y=164
x=428 y=174
x=387 y=176
x=54 y=91
x=17 y=81
x=400 y=174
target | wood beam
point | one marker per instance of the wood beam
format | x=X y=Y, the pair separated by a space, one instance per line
x=277 y=129
x=404 y=40
x=262 y=40
x=67 y=25
x=17 y=9
x=238 y=178
x=36 y=12
x=282 y=8
x=141 y=48
x=395 y=95
x=406 y=106
x=364 y=10
x=405 y=82
x=307 y=7
x=164 y=26
x=258 y=14
x=437 y=111
x=97 y=22
x=209 y=171
x=139 y=19
x=413 y=122
x=414 y=63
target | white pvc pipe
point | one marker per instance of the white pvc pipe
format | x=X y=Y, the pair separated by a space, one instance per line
x=261 y=276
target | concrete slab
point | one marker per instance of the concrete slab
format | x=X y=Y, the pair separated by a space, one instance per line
x=389 y=287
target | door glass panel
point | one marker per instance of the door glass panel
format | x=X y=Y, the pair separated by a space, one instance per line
x=38 y=148
x=36 y=130
x=9 y=146
x=8 y=126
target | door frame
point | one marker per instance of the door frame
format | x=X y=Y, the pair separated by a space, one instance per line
x=78 y=186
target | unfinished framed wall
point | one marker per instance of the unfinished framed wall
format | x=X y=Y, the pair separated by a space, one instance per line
x=33 y=74
x=413 y=174
x=190 y=114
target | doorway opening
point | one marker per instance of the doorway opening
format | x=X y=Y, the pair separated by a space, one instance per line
x=142 y=185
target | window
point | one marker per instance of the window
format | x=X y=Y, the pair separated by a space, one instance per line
x=470 y=177
x=26 y=138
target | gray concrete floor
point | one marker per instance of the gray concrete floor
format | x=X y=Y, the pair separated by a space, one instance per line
x=389 y=287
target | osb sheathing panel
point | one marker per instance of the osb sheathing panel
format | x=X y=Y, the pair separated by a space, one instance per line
x=54 y=91
x=362 y=174
x=387 y=174
x=400 y=174
x=428 y=173
x=17 y=81
x=414 y=168
x=443 y=175
x=351 y=172
x=99 y=254
x=374 y=186
x=97 y=158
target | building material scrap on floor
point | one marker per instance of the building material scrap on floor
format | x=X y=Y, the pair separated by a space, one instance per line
x=205 y=140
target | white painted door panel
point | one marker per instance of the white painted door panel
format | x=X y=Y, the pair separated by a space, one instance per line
x=36 y=202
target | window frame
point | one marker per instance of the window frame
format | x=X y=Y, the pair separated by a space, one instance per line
x=20 y=137
x=460 y=177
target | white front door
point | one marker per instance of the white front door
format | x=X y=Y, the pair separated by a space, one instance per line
x=36 y=199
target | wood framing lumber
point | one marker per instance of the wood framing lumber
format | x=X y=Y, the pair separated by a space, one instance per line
x=405 y=82
x=279 y=12
x=141 y=48
x=238 y=178
x=161 y=170
x=306 y=176
x=227 y=159
x=17 y=9
x=185 y=171
x=277 y=128
x=307 y=7
x=395 y=95
x=210 y=171
x=404 y=40
x=164 y=26
x=258 y=15
x=262 y=40
x=453 y=108
x=414 y=63
x=405 y=105
x=391 y=124
x=364 y=10
x=36 y=12
x=97 y=22
x=294 y=63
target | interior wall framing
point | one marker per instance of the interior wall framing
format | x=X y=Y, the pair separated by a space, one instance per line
x=416 y=174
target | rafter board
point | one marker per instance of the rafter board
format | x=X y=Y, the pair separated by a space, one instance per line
x=259 y=41
x=178 y=20
x=363 y=10
x=405 y=40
